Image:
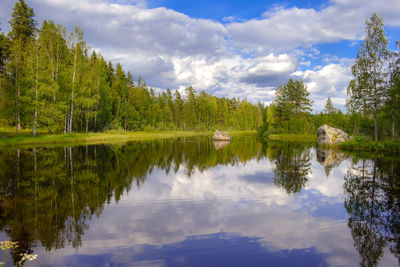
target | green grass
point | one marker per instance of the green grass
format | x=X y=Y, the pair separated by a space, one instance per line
x=368 y=145
x=99 y=138
x=297 y=138
x=239 y=132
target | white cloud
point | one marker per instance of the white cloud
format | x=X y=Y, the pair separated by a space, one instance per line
x=235 y=76
x=305 y=63
x=328 y=81
x=239 y=200
x=282 y=29
x=245 y=59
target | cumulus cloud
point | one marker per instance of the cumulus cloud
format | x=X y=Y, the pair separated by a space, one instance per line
x=167 y=209
x=245 y=59
x=270 y=70
x=328 y=81
x=282 y=29
x=235 y=76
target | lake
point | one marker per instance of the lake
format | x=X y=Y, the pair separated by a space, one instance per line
x=190 y=202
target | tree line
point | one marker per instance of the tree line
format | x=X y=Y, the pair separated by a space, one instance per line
x=51 y=80
x=373 y=95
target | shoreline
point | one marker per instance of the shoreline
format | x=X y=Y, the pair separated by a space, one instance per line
x=358 y=144
x=103 y=137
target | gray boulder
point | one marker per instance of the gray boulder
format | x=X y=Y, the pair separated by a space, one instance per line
x=330 y=135
x=221 y=136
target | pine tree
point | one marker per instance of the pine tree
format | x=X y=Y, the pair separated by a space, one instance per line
x=329 y=108
x=105 y=103
x=23 y=28
x=292 y=100
x=4 y=53
x=190 y=110
x=179 y=110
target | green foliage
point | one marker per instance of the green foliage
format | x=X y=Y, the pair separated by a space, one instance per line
x=23 y=26
x=59 y=84
x=290 y=111
x=292 y=99
x=367 y=91
x=295 y=138
x=4 y=52
x=329 y=108
x=363 y=143
x=292 y=167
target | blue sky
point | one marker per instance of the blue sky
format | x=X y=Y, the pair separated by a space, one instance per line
x=230 y=48
x=218 y=10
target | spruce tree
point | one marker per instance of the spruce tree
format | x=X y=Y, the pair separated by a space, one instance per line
x=23 y=28
x=329 y=108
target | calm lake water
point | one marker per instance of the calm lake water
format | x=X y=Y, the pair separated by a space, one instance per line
x=189 y=202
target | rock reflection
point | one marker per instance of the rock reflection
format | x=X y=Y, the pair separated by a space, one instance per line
x=220 y=144
x=330 y=159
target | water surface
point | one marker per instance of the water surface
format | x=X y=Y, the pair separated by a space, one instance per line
x=190 y=202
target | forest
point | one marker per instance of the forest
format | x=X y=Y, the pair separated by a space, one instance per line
x=52 y=81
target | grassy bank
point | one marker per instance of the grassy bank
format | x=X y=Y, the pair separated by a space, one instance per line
x=367 y=145
x=100 y=138
x=358 y=144
x=296 y=138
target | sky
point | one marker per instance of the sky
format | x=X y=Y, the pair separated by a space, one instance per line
x=229 y=48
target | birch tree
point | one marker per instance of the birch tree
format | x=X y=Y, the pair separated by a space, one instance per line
x=367 y=92
x=77 y=46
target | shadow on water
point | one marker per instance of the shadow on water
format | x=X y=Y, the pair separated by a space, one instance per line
x=49 y=195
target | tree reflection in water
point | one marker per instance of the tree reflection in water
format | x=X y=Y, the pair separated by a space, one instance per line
x=372 y=202
x=48 y=195
x=292 y=167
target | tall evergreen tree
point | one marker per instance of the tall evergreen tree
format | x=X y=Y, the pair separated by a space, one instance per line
x=179 y=109
x=190 y=110
x=292 y=99
x=366 y=92
x=4 y=53
x=104 y=107
x=329 y=108
x=23 y=28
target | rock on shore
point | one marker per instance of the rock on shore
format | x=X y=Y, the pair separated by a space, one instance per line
x=330 y=135
x=221 y=136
